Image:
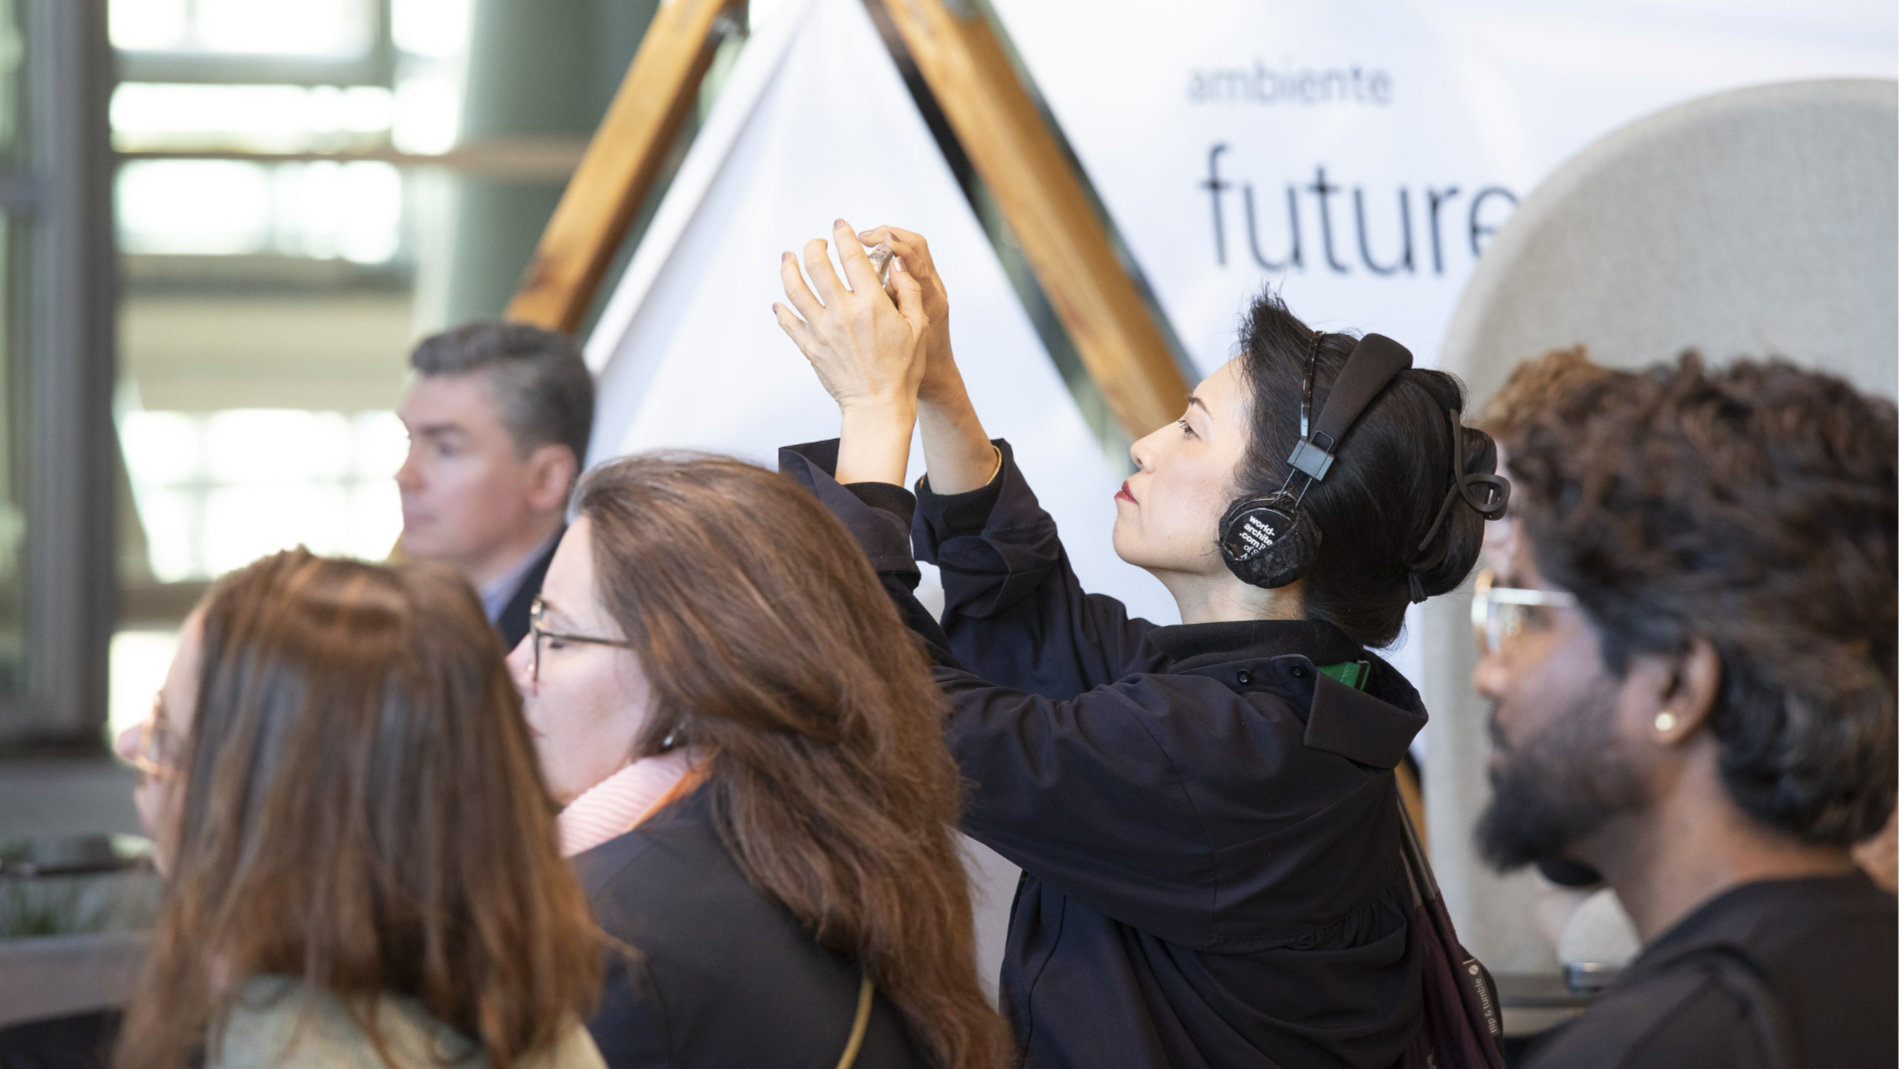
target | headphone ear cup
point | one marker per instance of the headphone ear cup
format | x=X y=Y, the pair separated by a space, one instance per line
x=1267 y=541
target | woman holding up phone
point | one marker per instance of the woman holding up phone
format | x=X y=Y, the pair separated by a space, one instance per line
x=1205 y=814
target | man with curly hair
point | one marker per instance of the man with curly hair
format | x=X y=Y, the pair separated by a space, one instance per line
x=1691 y=657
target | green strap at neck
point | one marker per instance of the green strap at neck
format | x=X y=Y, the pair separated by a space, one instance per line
x=1352 y=673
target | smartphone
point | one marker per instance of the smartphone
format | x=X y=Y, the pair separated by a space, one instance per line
x=881 y=255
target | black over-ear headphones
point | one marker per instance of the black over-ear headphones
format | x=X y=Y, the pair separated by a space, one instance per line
x=1265 y=539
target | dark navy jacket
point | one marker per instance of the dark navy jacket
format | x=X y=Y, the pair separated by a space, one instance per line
x=512 y=624
x=719 y=975
x=1207 y=825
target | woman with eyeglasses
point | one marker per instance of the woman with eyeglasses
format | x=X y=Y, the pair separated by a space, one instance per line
x=359 y=858
x=1205 y=814
x=743 y=741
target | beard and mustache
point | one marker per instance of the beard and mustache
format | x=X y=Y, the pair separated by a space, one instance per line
x=1561 y=785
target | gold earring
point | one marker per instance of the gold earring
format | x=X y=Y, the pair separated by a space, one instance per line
x=1665 y=722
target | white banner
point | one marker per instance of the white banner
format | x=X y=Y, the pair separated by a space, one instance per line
x=1359 y=155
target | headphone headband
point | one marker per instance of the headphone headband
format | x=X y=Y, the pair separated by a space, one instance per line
x=1375 y=360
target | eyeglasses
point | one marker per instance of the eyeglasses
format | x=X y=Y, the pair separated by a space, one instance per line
x=1499 y=613
x=537 y=613
x=154 y=742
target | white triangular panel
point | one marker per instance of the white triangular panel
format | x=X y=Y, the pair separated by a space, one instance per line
x=814 y=122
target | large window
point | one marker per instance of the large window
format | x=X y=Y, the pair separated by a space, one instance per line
x=272 y=235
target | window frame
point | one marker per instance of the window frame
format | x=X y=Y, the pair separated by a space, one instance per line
x=59 y=191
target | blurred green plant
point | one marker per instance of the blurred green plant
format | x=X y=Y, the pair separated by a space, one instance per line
x=76 y=905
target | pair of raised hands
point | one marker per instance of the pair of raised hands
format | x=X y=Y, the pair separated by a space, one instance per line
x=874 y=346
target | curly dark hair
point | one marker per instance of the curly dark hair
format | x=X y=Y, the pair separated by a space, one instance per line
x=1752 y=507
x=1377 y=506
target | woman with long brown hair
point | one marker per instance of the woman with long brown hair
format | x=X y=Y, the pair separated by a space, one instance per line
x=745 y=738
x=359 y=856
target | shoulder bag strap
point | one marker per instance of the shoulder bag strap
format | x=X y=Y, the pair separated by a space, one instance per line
x=860 y=1024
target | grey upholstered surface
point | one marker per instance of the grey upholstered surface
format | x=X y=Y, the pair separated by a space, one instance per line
x=1759 y=221
x=1755 y=222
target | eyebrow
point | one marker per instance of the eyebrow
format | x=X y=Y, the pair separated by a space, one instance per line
x=1193 y=400
x=555 y=615
x=438 y=430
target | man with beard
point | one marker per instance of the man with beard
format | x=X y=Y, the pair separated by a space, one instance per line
x=1691 y=656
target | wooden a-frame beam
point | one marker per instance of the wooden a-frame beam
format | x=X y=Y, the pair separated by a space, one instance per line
x=960 y=58
x=620 y=165
x=969 y=74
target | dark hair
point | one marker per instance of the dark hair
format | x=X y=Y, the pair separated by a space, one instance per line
x=769 y=644
x=363 y=810
x=541 y=386
x=1393 y=471
x=1754 y=508
x=1534 y=386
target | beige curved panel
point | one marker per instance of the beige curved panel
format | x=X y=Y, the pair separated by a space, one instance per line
x=1755 y=222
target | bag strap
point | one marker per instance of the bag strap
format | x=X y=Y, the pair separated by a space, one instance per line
x=859 y=1024
x=1422 y=882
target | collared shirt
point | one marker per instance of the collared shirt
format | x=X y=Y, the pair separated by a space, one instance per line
x=499 y=591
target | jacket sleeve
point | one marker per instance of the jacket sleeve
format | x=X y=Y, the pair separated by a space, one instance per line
x=1079 y=791
x=1014 y=612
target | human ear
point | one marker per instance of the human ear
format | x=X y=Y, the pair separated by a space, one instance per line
x=1694 y=679
x=552 y=470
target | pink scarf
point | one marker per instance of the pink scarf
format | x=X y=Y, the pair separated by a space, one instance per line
x=617 y=804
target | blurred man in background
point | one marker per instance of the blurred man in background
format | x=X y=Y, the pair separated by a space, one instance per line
x=498 y=416
x=1691 y=656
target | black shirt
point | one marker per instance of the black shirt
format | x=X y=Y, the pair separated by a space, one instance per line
x=1207 y=825
x=1805 y=965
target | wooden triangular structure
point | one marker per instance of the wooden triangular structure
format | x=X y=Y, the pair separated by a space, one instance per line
x=997 y=125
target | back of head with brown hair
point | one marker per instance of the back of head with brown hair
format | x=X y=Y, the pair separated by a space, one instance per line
x=362 y=811
x=769 y=643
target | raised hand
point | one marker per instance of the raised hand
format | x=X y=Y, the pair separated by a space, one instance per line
x=941 y=381
x=867 y=346
x=956 y=450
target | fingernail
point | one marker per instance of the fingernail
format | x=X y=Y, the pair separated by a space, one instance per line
x=786 y=255
x=840 y=224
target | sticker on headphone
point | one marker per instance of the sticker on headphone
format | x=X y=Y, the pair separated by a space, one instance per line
x=1256 y=536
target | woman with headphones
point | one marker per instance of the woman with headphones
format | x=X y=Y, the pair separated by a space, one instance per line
x=1205 y=814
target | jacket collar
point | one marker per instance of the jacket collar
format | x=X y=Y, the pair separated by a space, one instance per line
x=597 y=867
x=1373 y=726
x=1192 y=646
